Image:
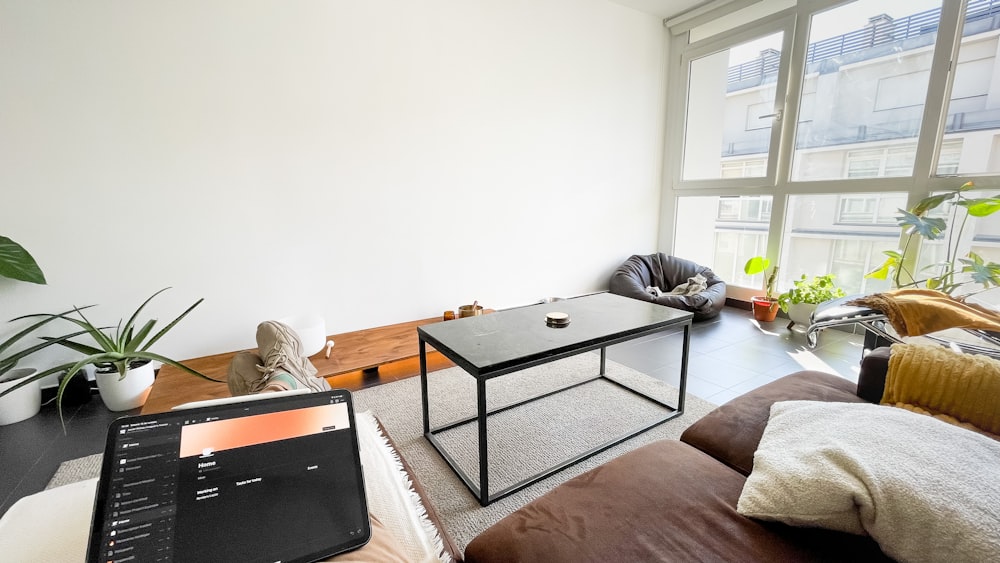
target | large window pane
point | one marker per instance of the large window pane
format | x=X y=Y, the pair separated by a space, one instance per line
x=733 y=142
x=723 y=233
x=865 y=82
x=840 y=234
x=973 y=112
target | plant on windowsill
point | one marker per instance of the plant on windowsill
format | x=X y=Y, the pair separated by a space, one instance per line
x=122 y=356
x=801 y=300
x=765 y=308
x=954 y=273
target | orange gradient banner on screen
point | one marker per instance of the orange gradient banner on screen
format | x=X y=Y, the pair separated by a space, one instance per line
x=261 y=429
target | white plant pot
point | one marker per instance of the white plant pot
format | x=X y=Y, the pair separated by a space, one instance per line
x=23 y=403
x=800 y=314
x=129 y=393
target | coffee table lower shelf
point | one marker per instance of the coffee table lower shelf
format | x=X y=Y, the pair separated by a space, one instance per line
x=482 y=493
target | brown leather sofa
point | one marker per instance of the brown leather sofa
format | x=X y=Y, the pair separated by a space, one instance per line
x=676 y=500
x=667 y=272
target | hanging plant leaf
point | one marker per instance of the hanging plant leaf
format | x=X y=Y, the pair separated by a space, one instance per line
x=929 y=203
x=931 y=228
x=983 y=273
x=16 y=263
x=756 y=265
x=982 y=207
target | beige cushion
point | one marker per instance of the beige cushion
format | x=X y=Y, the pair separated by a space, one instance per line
x=923 y=489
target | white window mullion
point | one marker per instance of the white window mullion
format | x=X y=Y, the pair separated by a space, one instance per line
x=938 y=89
x=787 y=114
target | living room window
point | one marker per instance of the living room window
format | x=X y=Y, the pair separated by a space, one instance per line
x=739 y=78
x=868 y=116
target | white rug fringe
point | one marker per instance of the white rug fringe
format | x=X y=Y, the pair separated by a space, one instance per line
x=416 y=506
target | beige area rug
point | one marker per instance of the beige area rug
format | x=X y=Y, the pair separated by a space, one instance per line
x=521 y=441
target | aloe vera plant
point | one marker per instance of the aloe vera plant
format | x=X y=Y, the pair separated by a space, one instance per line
x=126 y=344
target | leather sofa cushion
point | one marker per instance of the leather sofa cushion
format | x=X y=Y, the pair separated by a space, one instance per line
x=874 y=367
x=665 y=501
x=732 y=432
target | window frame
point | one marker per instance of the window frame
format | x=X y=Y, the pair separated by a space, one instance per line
x=795 y=22
x=782 y=22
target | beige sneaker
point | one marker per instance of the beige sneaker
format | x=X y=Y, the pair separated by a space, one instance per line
x=243 y=377
x=283 y=361
x=279 y=367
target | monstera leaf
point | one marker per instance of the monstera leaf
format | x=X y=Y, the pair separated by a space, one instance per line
x=17 y=264
x=954 y=272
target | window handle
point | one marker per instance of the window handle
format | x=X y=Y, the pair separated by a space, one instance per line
x=776 y=115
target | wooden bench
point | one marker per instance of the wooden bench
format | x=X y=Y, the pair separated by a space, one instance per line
x=359 y=359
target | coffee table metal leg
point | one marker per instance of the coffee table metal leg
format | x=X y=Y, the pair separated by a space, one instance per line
x=682 y=391
x=423 y=385
x=604 y=357
x=484 y=468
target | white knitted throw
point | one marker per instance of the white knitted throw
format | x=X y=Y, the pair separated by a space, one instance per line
x=923 y=489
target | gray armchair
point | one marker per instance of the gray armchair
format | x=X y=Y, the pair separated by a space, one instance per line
x=665 y=273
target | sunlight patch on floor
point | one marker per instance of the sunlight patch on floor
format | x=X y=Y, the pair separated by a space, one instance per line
x=808 y=360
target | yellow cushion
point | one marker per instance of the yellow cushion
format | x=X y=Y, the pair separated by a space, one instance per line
x=961 y=389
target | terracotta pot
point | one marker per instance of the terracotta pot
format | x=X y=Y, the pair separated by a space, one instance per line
x=764 y=309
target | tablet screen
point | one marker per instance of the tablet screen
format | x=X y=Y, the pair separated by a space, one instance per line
x=270 y=480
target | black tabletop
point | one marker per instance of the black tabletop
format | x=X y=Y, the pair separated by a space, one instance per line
x=519 y=337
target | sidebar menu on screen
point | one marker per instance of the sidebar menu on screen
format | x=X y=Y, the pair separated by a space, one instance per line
x=141 y=506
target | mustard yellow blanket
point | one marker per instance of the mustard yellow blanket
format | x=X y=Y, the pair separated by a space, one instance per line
x=961 y=389
x=913 y=312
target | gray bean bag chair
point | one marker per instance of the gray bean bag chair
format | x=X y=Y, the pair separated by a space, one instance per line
x=667 y=273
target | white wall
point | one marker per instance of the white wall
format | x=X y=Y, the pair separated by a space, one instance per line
x=372 y=161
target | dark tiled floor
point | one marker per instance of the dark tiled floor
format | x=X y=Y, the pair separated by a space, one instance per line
x=734 y=354
x=729 y=356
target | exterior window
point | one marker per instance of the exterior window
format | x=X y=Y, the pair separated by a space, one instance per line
x=852 y=259
x=849 y=160
x=738 y=232
x=862 y=96
x=753 y=209
x=898 y=160
x=740 y=80
x=744 y=168
x=971 y=116
x=855 y=209
x=872 y=209
x=839 y=234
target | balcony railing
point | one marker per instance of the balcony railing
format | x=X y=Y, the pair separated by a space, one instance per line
x=848 y=134
x=877 y=34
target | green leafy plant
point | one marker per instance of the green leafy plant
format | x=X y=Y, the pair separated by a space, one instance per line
x=124 y=347
x=954 y=272
x=817 y=290
x=760 y=264
x=17 y=264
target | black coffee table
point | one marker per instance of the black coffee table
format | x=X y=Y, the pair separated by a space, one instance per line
x=514 y=339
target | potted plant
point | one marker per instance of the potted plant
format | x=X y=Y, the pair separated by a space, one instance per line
x=18 y=264
x=801 y=300
x=955 y=272
x=20 y=388
x=765 y=307
x=122 y=356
